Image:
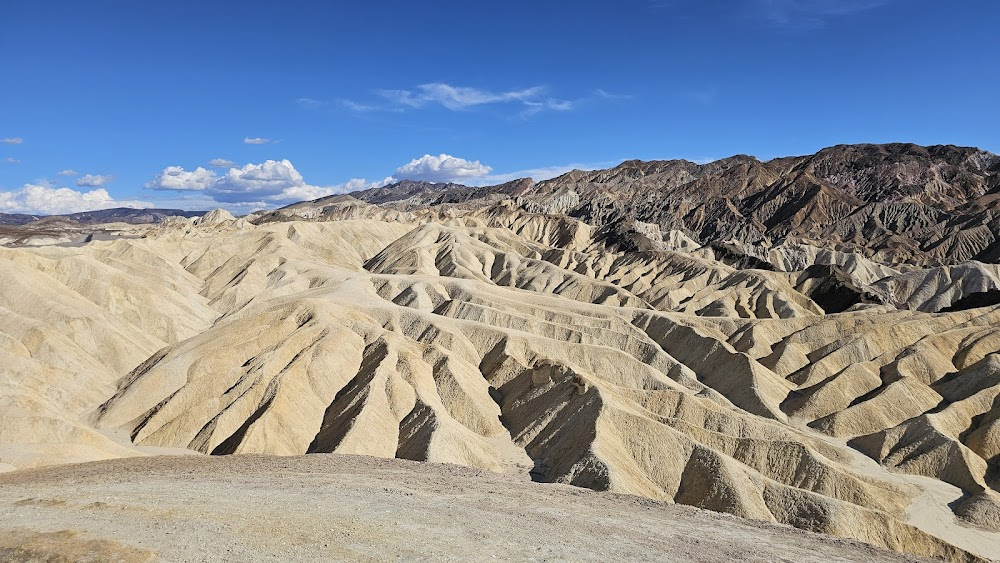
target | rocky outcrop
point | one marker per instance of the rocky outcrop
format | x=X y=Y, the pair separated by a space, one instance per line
x=792 y=341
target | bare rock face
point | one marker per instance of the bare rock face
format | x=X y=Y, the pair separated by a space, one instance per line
x=899 y=203
x=804 y=341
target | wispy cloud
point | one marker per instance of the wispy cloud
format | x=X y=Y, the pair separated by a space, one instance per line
x=602 y=94
x=12 y=140
x=811 y=13
x=787 y=14
x=255 y=141
x=530 y=100
x=365 y=108
x=11 y=160
x=93 y=180
x=222 y=163
x=310 y=103
x=527 y=101
x=549 y=104
x=69 y=172
x=458 y=98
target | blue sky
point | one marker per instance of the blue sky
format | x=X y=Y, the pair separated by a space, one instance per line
x=257 y=104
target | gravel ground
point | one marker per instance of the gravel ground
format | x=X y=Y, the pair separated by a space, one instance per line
x=338 y=507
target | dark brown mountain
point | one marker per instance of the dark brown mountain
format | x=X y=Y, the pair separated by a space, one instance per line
x=896 y=203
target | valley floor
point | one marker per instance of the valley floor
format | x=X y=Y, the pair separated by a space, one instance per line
x=339 y=507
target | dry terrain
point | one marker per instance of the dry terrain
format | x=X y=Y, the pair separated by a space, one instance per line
x=833 y=366
x=335 y=507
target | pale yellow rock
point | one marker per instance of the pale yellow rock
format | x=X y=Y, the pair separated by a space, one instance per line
x=508 y=341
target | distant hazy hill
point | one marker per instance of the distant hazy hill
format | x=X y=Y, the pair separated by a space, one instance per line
x=116 y=215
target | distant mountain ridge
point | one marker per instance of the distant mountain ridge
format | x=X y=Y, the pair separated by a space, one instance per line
x=896 y=203
x=115 y=215
x=800 y=341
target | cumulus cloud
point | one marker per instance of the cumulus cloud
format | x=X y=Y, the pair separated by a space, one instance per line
x=93 y=180
x=255 y=141
x=175 y=178
x=48 y=200
x=442 y=168
x=265 y=180
x=222 y=163
x=12 y=140
x=69 y=172
x=270 y=183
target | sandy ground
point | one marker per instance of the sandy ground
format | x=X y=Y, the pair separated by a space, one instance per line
x=338 y=507
x=930 y=510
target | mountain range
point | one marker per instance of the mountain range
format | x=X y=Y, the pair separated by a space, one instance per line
x=896 y=203
x=811 y=341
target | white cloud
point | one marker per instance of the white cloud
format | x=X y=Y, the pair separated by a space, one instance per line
x=442 y=168
x=69 y=172
x=12 y=140
x=531 y=100
x=458 y=97
x=175 y=178
x=304 y=192
x=380 y=183
x=93 y=180
x=268 y=184
x=267 y=179
x=255 y=141
x=222 y=163
x=550 y=104
x=34 y=198
x=11 y=160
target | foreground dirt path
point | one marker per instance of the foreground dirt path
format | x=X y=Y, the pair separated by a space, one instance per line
x=330 y=507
